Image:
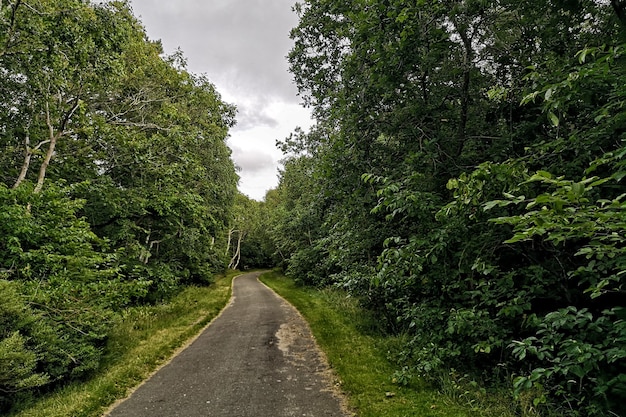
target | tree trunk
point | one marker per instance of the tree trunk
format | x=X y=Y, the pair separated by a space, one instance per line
x=238 y=253
x=465 y=86
x=234 y=262
x=28 y=153
x=230 y=235
x=619 y=6
x=53 y=138
x=49 y=153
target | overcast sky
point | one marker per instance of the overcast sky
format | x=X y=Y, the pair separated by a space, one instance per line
x=241 y=46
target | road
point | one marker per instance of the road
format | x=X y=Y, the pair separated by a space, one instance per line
x=257 y=358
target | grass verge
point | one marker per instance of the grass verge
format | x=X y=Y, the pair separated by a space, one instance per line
x=359 y=356
x=143 y=339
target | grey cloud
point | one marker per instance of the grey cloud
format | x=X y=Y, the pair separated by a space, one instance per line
x=241 y=46
x=252 y=162
x=242 y=43
x=248 y=117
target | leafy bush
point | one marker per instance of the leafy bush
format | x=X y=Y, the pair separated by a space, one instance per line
x=578 y=359
x=62 y=290
x=577 y=352
x=18 y=356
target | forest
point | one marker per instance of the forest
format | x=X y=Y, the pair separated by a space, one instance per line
x=116 y=184
x=463 y=182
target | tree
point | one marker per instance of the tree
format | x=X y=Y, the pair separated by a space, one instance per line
x=116 y=185
x=58 y=57
x=425 y=113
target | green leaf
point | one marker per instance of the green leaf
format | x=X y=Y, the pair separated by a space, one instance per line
x=618 y=176
x=553 y=119
x=491 y=204
x=548 y=94
x=578 y=189
x=452 y=184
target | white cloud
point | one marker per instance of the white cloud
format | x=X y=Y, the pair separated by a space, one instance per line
x=252 y=162
x=241 y=46
x=258 y=142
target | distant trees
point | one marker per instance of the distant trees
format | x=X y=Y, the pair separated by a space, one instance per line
x=116 y=185
x=249 y=243
x=464 y=180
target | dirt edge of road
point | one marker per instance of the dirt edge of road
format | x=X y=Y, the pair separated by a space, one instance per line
x=289 y=331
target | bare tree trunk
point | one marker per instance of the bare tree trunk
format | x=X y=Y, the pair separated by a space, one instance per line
x=238 y=253
x=467 y=66
x=145 y=253
x=28 y=153
x=53 y=138
x=53 y=141
x=234 y=261
x=230 y=235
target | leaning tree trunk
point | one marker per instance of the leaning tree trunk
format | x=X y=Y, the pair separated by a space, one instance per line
x=230 y=236
x=234 y=262
x=53 y=137
x=28 y=154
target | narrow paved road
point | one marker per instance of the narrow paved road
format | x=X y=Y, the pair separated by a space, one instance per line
x=256 y=359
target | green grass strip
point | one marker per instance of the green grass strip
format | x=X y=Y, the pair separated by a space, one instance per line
x=143 y=339
x=359 y=356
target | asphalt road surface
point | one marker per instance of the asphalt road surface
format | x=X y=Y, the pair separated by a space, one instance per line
x=256 y=359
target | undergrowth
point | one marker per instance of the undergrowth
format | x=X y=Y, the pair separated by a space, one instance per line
x=363 y=360
x=141 y=340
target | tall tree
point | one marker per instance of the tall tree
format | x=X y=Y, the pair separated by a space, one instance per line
x=116 y=185
x=419 y=107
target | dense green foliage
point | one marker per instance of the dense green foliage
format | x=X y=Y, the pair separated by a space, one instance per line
x=248 y=244
x=143 y=338
x=465 y=181
x=358 y=354
x=116 y=185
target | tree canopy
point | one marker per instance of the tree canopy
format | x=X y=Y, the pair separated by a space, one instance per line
x=464 y=180
x=116 y=184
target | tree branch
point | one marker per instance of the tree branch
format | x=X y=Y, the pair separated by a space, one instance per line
x=28 y=153
x=11 y=25
x=146 y=126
